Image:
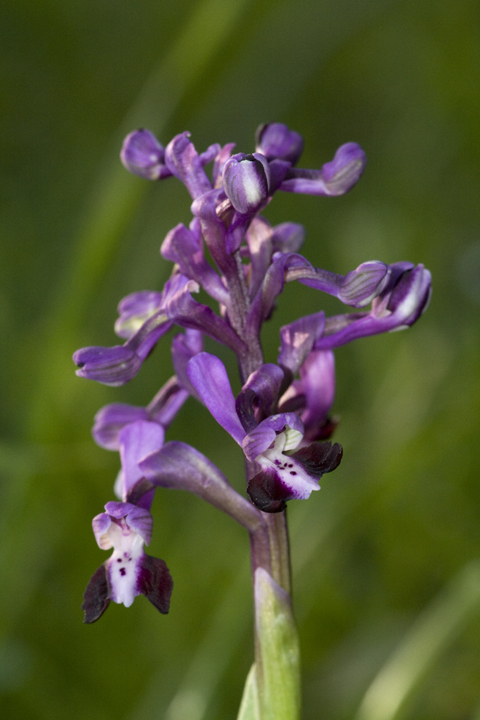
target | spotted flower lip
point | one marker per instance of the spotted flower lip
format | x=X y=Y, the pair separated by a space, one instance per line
x=271 y=443
x=129 y=571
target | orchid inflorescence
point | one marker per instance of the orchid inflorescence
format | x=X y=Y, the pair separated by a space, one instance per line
x=281 y=417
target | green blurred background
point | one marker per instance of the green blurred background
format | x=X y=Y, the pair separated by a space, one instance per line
x=386 y=576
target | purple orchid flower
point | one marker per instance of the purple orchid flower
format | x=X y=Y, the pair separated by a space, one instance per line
x=143 y=155
x=269 y=444
x=126 y=526
x=118 y=365
x=399 y=305
x=129 y=571
x=276 y=141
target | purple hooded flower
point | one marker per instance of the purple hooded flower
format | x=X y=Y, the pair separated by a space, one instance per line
x=399 y=305
x=269 y=445
x=143 y=155
x=276 y=141
x=129 y=571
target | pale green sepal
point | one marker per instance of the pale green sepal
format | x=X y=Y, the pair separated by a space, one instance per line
x=278 y=669
x=249 y=709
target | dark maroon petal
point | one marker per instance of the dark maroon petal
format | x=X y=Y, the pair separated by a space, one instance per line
x=97 y=595
x=319 y=458
x=267 y=492
x=155 y=582
x=260 y=393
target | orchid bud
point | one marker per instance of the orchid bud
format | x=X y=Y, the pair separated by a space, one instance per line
x=362 y=285
x=144 y=156
x=246 y=181
x=336 y=177
x=276 y=141
x=110 y=366
x=410 y=296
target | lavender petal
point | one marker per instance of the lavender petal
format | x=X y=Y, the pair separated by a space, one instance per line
x=297 y=340
x=183 y=247
x=136 y=441
x=209 y=377
x=143 y=155
x=183 y=161
x=110 y=419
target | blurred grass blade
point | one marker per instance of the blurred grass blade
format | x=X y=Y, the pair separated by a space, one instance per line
x=116 y=194
x=388 y=696
x=249 y=705
x=202 y=678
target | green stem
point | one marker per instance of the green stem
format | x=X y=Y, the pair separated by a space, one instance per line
x=272 y=691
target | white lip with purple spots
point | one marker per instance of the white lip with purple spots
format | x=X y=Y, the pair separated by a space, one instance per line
x=290 y=472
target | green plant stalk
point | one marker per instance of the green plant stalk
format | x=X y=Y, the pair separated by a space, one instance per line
x=272 y=689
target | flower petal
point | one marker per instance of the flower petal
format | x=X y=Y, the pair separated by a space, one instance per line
x=260 y=393
x=336 y=177
x=143 y=155
x=110 y=420
x=276 y=140
x=183 y=161
x=183 y=247
x=297 y=340
x=209 y=377
x=96 y=596
x=136 y=441
x=155 y=582
x=180 y=466
x=260 y=439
